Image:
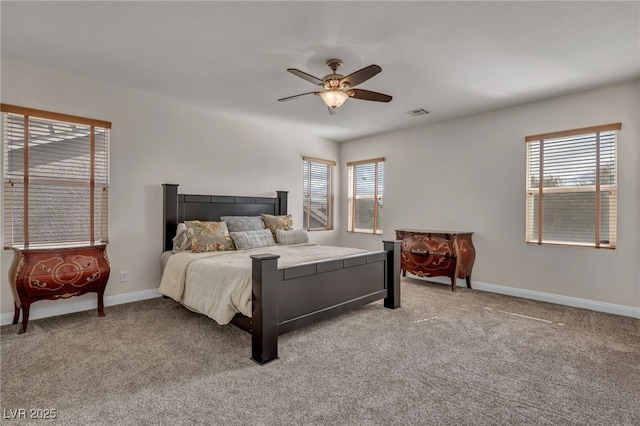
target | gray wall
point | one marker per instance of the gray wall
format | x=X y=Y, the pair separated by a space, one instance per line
x=469 y=174
x=465 y=174
x=155 y=141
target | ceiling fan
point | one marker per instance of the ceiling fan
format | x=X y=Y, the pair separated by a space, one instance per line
x=338 y=88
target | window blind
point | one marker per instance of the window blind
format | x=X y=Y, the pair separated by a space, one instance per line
x=572 y=187
x=56 y=177
x=366 y=183
x=318 y=194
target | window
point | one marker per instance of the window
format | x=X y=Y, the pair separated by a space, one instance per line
x=571 y=187
x=366 y=180
x=56 y=177
x=318 y=194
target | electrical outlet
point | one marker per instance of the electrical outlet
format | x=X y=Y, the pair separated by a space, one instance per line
x=124 y=276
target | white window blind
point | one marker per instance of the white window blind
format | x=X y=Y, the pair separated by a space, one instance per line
x=571 y=187
x=56 y=177
x=318 y=194
x=366 y=179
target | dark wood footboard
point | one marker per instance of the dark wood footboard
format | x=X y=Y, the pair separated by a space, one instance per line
x=290 y=298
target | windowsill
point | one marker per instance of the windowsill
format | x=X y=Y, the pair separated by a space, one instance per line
x=570 y=244
x=55 y=246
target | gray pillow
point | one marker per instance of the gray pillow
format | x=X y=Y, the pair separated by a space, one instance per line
x=252 y=239
x=294 y=236
x=243 y=223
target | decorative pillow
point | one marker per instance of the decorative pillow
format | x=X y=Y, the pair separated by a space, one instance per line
x=295 y=236
x=208 y=236
x=253 y=239
x=243 y=223
x=181 y=242
x=271 y=222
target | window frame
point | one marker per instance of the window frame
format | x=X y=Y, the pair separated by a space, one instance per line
x=535 y=213
x=309 y=193
x=353 y=196
x=12 y=240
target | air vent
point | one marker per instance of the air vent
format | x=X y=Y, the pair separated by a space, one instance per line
x=417 y=112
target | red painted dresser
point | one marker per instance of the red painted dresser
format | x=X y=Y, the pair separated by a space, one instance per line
x=427 y=253
x=38 y=274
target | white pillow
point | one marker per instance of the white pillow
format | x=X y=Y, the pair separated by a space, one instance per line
x=181 y=241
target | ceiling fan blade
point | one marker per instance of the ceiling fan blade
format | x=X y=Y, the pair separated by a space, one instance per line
x=304 y=75
x=288 y=98
x=361 y=76
x=368 y=95
x=332 y=111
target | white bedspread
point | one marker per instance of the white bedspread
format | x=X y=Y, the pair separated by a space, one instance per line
x=218 y=284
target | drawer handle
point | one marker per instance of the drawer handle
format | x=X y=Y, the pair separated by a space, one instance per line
x=39 y=284
x=433 y=253
x=414 y=251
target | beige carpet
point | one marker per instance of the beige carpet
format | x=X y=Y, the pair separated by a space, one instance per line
x=465 y=358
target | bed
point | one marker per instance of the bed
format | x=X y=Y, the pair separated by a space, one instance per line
x=289 y=297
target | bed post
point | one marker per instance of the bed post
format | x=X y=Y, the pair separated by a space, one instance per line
x=282 y=202
x=264 y=311
x=169 y=214
x=392 y=300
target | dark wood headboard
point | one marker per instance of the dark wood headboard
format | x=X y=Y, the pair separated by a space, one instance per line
x=180 y=207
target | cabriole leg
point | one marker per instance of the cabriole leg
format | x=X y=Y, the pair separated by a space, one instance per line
x=101 y=302
x=25 y=316
x=16 y=313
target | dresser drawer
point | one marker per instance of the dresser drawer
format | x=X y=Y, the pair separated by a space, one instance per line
x=427 y=265
x=427 y=245
x=47 y=273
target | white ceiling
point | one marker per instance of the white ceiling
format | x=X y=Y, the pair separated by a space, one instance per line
x=452 y=58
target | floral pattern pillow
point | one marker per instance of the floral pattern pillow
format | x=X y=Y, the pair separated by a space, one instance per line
x=271 y=222
x=209 y=236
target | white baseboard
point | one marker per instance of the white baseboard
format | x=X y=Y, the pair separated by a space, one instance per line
x=610 y=308
x=83 y=303
x=77 y=305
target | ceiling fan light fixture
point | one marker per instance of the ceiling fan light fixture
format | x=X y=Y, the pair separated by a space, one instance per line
x=334 y=98
x=338 y=88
